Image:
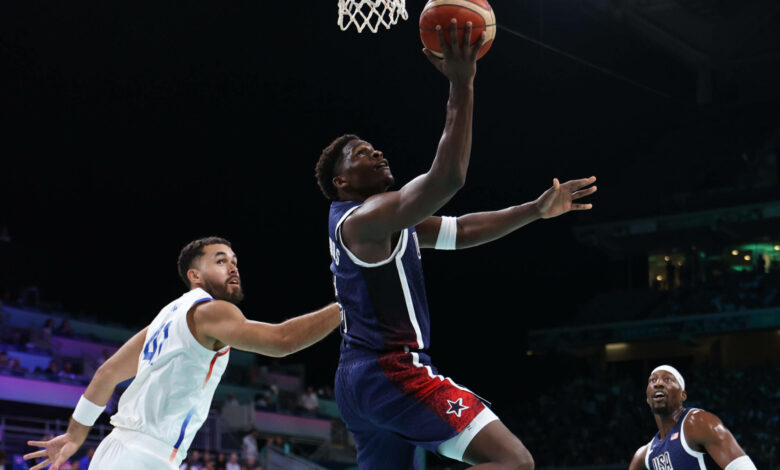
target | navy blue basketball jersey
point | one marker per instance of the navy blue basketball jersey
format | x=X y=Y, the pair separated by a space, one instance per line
x=383 y=304
x=673 y=452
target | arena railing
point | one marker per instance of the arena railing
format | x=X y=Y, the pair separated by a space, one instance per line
x=17 y=430
x=654 y=329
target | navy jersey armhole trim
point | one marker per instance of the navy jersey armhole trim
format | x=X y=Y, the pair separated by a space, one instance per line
x=400 y=247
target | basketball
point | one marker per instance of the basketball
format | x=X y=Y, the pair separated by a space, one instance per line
x=440 y=12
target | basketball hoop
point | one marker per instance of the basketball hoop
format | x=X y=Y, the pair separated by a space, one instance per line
x=371 y=13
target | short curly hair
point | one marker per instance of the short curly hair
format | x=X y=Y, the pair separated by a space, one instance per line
x=194 y=250
x=326 y=165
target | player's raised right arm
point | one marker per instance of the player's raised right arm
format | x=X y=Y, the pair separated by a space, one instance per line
x=224 y=322
x=390 y=212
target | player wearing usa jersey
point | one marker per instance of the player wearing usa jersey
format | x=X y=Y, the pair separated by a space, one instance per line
x=687 y=438
x=389 y=394
x=177 y=362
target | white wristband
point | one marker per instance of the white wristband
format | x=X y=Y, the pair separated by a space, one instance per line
x=86 y=412
x=741 y=463
x=448 y=232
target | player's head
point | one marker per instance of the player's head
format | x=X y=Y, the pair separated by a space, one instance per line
x=665 y=390
x=350 y=168
x=209 y=263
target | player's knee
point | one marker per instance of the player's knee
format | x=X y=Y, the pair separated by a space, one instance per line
x=515 y=458
x=528 y=462
x=522 y=459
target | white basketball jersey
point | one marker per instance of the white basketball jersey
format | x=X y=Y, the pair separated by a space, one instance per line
x=170 y=396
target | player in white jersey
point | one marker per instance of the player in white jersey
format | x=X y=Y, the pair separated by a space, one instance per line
x=177 y=362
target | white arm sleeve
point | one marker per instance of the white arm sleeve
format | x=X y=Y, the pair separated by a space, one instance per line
x=741 y=463
x=447 y=233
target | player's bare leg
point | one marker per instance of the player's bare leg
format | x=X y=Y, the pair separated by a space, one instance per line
x=495 y=447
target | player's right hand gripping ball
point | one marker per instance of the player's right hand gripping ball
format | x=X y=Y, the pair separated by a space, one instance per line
x=441 y=12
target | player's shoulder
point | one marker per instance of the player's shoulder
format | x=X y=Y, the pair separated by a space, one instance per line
x=642 y=451
x=215 y=304
x=215 y=309
x=698 y=417
x=638 y=460
x=701 y=425
x=367 y=219
x=341 y=211
x=373 y=205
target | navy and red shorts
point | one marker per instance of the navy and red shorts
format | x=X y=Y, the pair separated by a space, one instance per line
x=394 y=402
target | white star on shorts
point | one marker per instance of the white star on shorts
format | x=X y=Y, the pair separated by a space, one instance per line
x=456 y=407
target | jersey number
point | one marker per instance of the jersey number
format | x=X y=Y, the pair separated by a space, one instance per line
x=334 y=251
x=153 y=347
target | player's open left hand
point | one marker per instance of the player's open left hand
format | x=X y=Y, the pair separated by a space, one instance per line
x=459 y=64
x=559 y=198
x=56 y=451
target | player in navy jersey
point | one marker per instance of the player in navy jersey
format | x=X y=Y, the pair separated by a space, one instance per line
x=389 y=393
x=687 y=438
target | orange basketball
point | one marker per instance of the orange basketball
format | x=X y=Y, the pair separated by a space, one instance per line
x=440 y=12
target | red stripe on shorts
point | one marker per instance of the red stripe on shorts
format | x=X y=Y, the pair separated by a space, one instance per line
x=454 y=406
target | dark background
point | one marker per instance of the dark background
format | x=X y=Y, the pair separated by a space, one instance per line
x=131 y=128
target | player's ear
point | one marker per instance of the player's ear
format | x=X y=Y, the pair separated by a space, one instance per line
x=339 y=181
x=684 y=395
x=193 y=275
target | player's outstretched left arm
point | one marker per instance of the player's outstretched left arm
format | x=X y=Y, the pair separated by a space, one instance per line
x=224 y=322
x=118 y=368
x=706 y=433
x=482 y=227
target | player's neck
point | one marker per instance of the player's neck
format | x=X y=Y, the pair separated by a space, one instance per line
x=350 y=196
x=194 y=286
x=360 y=196
x=666 y=422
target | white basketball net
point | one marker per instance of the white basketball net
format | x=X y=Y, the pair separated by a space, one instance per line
x=371 y=13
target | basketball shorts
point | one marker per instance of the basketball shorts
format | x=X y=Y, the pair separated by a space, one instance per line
x=124 y=449
x=397 y=401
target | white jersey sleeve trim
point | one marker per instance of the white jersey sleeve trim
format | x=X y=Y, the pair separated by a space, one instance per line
x=684 y=441
x=399 y=248
x=647 y=453
x=408 y=297
x=448 y=232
